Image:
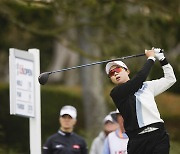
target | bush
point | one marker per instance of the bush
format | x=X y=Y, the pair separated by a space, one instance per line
x=14 y=130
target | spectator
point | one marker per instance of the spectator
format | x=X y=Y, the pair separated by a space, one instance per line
x=109 y=125
x=65 y=141
x=116 y=141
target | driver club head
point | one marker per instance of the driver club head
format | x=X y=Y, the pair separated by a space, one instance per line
x=43 y=78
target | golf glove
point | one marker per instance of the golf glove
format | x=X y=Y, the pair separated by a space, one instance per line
x=159 y=54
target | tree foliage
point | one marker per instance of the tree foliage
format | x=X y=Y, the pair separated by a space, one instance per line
x=126 y=26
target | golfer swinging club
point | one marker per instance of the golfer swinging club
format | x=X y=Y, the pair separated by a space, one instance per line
x=134 y=99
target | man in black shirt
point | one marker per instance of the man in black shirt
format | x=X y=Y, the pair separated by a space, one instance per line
x=135 y=101
x=65 y=141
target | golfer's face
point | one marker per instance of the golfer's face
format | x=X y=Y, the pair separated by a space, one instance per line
x=118 y=75
x=67 y=122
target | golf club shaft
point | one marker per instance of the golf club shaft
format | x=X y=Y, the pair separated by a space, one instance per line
x=95 y=63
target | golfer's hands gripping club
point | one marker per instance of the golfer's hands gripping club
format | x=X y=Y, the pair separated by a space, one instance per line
x=159 y=54
x=149 y=53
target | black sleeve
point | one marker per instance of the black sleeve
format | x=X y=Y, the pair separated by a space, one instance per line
x=132 y=86
x=84 y=149
x=47 y=147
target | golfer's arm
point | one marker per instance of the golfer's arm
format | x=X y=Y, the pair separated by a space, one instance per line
x=162 y=84
x=132 y=86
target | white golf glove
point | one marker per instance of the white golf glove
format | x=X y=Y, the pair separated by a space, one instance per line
x=159 y=53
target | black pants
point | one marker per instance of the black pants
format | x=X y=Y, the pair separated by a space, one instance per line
x=156 y=142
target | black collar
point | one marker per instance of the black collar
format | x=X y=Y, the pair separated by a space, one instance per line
x=64 y=133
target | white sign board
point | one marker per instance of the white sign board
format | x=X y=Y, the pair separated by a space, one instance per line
x=22 y=97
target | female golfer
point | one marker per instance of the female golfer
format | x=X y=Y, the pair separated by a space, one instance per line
x=135 y=101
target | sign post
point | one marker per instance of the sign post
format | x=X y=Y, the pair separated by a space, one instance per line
x=25 y=91
x=35 y=123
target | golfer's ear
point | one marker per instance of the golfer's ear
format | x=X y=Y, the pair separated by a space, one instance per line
x=128 y=71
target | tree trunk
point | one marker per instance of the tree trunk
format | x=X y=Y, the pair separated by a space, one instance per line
x=63 y=58
x=92 y=86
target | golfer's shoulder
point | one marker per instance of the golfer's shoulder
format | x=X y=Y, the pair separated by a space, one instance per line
x=117 y=90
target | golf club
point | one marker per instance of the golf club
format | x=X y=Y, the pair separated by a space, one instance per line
x=43 y=77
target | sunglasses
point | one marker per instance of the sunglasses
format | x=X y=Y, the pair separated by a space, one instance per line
x=117 y=70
